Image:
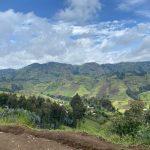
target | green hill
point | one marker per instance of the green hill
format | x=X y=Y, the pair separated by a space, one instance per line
x=122 y=81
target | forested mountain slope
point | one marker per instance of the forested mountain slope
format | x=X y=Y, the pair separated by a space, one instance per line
x=122 y=81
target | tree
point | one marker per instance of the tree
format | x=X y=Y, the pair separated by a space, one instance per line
x=57 y=113
x=105 y=103
x=136 y=110
x=50 y=114
x=120 y=75
x=12 y=101
x=147 y=117
x=3 y=99
x=132 y=94
x=16 y=87
x=78 y=108
x=22 y=102
x=130 y=122
x=31 y=104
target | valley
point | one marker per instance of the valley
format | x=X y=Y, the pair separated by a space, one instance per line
x=109 y=101
x=121 y=82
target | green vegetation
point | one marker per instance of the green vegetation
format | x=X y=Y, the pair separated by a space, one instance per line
x=145 y=96
x=78 y=109
x=99 y=119
x=39 y=111
x=26 y=110
x=18 y=116
x=123 y=81
x=114 y=102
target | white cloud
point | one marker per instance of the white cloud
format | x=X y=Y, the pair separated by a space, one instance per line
x=79 y=10
x=26 y=39
x=138 y=7
x=127 y=5
x=144 y=13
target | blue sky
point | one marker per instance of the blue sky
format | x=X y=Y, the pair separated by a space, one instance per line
x=48 y=8
x=73 y=31
x=110 y=9
x=42 y=8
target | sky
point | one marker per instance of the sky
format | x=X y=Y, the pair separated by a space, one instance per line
x=73 y=31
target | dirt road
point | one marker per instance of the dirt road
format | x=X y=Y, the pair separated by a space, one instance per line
x=19 y=138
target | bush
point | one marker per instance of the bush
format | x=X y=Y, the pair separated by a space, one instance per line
x=19 y=116
x=130 y=122
x=144 y=135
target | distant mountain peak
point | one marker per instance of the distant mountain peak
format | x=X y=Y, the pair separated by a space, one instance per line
x=91 y=64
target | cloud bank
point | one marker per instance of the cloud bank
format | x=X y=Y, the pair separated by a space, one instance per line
x=26 y=39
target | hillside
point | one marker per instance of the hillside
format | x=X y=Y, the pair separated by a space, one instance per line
x=122 y=81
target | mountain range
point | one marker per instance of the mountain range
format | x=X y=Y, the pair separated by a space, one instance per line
x=122 y=82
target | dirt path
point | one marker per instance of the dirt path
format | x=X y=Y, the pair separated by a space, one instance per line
x=27 y=142
x=19 y=138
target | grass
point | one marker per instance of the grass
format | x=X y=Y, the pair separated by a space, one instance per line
x=16 y=121
x=82 y=90
x=121 y=95
x=102 y=131
x=121 y=105
x=85 y=86
x=17 y=116
x=145 y=96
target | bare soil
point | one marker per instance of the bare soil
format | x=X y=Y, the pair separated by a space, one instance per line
x=21 y=138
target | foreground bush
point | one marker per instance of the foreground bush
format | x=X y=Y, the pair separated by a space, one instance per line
x=19 y=116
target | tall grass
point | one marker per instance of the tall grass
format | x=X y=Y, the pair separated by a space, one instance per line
x=104 y=131
x=19 y=116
